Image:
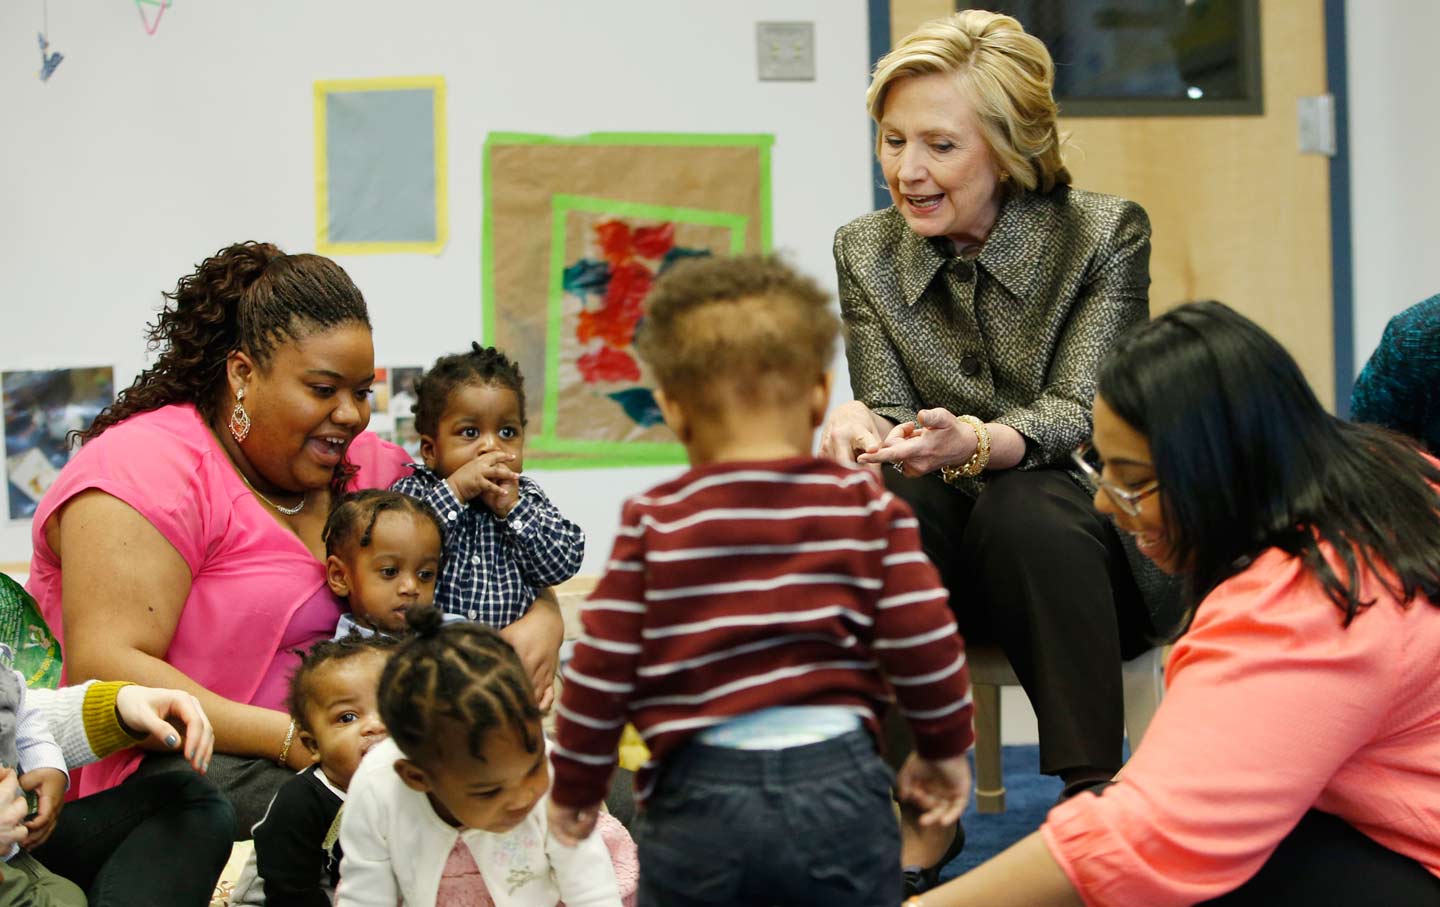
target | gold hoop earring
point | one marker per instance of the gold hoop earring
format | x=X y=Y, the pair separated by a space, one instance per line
x=239 y=419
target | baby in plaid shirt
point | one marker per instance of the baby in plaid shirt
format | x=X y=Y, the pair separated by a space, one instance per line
x=503 y=539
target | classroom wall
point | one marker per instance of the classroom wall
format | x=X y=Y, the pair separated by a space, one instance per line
x=143 y=154
x=1394 y=145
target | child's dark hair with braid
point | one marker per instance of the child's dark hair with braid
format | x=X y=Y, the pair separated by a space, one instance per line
x=382 y=556
x=504 y=540
x=466 y=748
x=459 y=706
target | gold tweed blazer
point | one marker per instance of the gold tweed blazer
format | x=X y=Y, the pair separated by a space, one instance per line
x=1014 y=336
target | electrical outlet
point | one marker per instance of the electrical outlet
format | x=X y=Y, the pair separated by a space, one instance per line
x=785 y=51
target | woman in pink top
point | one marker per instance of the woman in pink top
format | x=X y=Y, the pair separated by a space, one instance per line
x=1296 y=757
x=187 y=529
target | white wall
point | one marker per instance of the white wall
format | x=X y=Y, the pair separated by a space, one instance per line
x=1394 y=149
x=142 y=155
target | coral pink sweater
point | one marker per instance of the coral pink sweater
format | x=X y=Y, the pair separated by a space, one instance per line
x=255 y=591
x=1273 y=708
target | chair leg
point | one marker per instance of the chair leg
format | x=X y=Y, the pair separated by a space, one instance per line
x=1143 y=680
x=989 y=777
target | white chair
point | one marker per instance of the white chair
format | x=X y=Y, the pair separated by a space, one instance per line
x=1143 y=683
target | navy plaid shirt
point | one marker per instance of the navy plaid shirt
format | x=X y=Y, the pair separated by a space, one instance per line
x=493 y=569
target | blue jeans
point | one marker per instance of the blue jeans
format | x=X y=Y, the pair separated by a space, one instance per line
x=807 y=825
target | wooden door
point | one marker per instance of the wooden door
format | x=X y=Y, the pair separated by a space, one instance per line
x=1239 y=215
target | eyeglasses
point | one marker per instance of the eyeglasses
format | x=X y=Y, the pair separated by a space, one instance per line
x=1127 y=499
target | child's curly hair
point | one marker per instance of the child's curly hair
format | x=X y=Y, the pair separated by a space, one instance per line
x=752 y=325
x=481 y=365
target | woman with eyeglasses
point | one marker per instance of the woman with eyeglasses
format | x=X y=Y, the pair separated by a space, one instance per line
x=1295 y=759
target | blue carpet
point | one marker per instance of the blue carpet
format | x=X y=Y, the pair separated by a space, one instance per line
x=1028 y=797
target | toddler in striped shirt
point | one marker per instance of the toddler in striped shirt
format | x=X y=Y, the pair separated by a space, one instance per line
x=754 y=621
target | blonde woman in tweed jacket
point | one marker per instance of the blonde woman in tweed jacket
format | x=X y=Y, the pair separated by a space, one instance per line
x=977 y=310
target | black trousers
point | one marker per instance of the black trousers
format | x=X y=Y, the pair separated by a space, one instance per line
x=1032 y=567
x=247 y=783
x=161 y=840
x=1326 y=862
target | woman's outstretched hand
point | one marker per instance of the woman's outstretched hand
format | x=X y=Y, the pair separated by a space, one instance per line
x=168 y=718
x=936 y=438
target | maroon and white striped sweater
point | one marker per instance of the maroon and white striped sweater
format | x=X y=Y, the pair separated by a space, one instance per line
x=743 y=586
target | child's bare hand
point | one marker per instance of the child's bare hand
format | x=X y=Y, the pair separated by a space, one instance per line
x=571 y=826
x=940 y=788
x=483 y=475
x=12 y=810
x=505 y=496
x=50 y=784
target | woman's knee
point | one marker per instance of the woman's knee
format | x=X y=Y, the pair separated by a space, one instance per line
x=1041 y=512
x=202 y=809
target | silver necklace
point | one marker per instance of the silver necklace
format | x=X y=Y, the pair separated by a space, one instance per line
x=288 y=511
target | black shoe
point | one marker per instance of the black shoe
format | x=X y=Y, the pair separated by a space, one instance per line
x=920 y=879
x=1075 y=788
x=914 y=882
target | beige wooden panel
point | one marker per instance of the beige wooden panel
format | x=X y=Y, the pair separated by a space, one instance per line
x=907 y=15
x=1239 y=214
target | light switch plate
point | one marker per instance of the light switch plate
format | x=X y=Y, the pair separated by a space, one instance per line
x=785 y=51
x=1317 y=124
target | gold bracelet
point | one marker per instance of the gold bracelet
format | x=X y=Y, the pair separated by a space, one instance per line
x=978 y=460
x=289 y=739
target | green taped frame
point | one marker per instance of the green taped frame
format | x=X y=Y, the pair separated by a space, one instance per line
x=597 y=454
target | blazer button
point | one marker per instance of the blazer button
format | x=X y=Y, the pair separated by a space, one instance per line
x=970 y=364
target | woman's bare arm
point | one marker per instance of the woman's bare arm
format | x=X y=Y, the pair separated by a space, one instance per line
x=1026 y=874
x=124 y=589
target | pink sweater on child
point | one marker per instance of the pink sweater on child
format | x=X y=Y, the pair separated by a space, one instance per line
x=1273 y=708
x=256 y=591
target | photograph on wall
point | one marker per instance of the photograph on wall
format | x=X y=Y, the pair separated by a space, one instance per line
x=41 y=409
x=714 y=193
x=391 y=407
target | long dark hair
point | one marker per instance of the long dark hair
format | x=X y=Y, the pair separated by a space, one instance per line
x=1248 y=460
x=249 y=296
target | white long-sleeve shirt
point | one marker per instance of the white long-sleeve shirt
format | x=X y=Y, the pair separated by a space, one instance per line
x=35 y=746
x=62 y=709
x=396 y=846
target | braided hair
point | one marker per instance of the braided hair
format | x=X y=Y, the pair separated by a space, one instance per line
x=353 y=519
x=321 y=654
x=480 y=365
x=249 y=296
x=462 y=671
